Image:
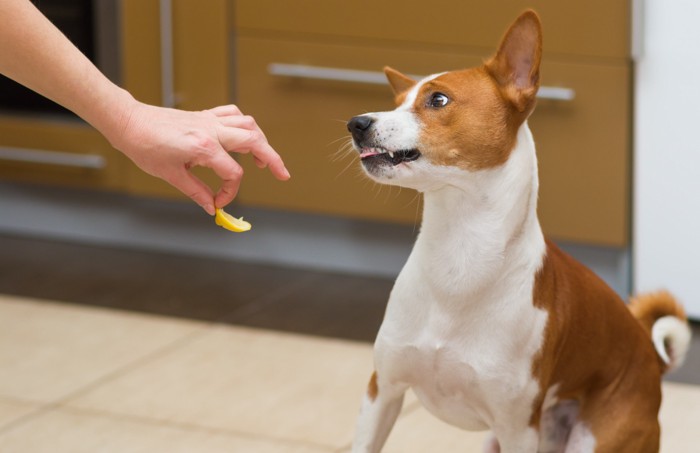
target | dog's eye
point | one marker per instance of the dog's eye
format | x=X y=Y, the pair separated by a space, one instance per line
x=438 y=100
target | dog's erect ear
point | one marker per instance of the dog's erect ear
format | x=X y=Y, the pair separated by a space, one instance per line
x=399 y=82
x=516 y=65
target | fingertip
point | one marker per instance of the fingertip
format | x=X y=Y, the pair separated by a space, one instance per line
x=209 y=209
x=280 y=172
x=223 y=198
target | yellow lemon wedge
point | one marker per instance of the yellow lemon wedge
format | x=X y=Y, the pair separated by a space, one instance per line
x=231 y=223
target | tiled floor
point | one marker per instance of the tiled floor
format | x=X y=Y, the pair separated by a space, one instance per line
x=114 y=351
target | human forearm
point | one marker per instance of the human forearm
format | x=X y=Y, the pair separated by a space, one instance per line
x=163 y=142
x=36 y=54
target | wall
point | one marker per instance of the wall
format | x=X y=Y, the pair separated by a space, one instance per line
x=667 y=151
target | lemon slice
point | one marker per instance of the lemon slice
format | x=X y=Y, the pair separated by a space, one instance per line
x=231 y=223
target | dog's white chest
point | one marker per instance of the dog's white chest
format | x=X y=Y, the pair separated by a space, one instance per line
x=469 y=369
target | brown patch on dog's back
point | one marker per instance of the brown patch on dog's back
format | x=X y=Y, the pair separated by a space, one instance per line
x=591 y=340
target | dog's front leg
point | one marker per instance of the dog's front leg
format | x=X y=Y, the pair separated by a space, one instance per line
x=380 y=408
x=517 y=441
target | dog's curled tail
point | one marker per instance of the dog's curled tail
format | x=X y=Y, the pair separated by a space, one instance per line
x=664 y=318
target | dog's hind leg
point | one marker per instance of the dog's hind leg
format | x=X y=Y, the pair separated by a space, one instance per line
x=380 y=408
x=556 y=425
x=621 y=422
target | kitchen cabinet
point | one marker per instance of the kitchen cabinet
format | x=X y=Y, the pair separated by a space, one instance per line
x=288 y=55
x=294 y=65
x=63 y=150
x=175 y=53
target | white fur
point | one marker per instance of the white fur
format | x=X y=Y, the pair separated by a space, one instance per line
x=460 y=327
x=677 y=333
x=558 y=419
x=581 y=440
x=398 y=129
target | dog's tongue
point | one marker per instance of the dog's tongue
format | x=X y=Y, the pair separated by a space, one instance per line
x=366 y=154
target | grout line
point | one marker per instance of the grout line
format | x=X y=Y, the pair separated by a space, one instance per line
x=188 y=426
x=127 y=368
x=55 y=407
x=137 y=363
x=26 y=418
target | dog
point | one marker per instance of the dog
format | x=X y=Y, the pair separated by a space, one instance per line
x=490 y=324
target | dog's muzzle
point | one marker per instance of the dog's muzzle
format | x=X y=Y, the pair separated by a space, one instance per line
x=371 y=154
x=359 y=127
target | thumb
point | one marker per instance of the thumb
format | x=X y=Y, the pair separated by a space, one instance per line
x=194 y=188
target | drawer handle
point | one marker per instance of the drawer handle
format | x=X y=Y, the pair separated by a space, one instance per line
x=378 y=78
x=167 y=58
x=38 y=156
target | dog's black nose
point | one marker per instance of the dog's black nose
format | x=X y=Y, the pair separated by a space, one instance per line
x=359 y=125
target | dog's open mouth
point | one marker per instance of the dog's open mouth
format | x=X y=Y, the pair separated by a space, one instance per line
x=377 y=155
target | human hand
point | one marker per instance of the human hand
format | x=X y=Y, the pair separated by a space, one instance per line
x=167 y=142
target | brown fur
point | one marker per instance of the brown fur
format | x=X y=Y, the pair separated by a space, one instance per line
x=462 y=134
x=599 y=355
x=399 y=83
x=647 y=308
x=594 y=349
x=516 y=65
x=372 y=387
x=476 y=130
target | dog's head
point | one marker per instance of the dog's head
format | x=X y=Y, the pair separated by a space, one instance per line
x=460 y=121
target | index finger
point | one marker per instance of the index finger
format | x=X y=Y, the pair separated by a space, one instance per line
x=253 y=141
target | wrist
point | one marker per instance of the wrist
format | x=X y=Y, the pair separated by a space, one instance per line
x=113 y=117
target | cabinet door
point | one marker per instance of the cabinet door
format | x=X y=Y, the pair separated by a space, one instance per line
x=65 y=152
x=304 y=119
x=583 y=144
x=592 y=28
x=197 y=70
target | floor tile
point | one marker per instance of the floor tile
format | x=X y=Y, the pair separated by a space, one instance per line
x=70 y=431
x=680 y=413
x=50 y=350
x=12 y=410
x=252 y=381
x=689 y=373
x=419 y=431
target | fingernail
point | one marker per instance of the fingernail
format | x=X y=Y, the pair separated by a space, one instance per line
x=286 y=173
x=210 y=209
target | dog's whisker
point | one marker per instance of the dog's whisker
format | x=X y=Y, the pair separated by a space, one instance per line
x=344 y=137
x=344 y=169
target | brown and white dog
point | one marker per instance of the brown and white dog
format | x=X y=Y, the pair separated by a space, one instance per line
x=491 y=325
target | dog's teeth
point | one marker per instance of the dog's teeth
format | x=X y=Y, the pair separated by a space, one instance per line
x=391 y=154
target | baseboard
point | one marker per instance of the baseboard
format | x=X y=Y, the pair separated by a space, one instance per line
x=278 y=237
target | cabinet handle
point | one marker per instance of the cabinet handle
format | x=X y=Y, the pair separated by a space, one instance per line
x=378 y=78
x=167 y=75
x=38 y=156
